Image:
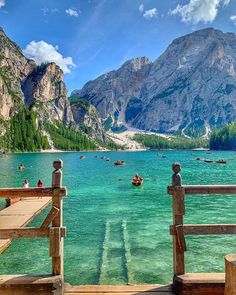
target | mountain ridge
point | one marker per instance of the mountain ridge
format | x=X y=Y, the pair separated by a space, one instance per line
x=189 y=88
x=36 y=95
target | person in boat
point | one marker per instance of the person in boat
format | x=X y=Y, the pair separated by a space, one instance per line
x=26 y=183
x=40 y=183
x=137 y=177
x=21 y=167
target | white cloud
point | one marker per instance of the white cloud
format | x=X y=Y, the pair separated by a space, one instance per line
x=141 y=7
x=233 y=19
x=47 y=10
x=148 y=14
x=197 y=11
x=43 y=52
x=2 y=3
x=72 y=12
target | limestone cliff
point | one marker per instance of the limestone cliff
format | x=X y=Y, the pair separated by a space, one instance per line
x=87 y=118
x=190 y=88
x=45 y=90
x=41 y=89
x=115 y=92
x=14 y=68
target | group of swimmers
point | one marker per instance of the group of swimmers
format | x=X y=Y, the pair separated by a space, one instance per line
x=26 y=183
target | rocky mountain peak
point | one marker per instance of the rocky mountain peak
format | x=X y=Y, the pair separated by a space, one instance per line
x=136 y=63
x=190 y=88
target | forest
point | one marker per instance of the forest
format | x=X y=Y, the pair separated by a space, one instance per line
x=224 y=138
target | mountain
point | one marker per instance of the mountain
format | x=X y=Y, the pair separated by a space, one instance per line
x=116 y=94
x=35 y=112
x=190 y=88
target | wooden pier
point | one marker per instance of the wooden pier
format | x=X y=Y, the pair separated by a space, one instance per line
x=119 y=290
x=20 y=214
x=35 y=199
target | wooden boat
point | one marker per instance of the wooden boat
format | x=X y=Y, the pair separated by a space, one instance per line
x=221 y=161
x=117 y=163
x=208 y=161
x=198 y=159
x=137 y=181
x=82 y=157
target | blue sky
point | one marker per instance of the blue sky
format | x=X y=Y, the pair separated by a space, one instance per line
x=90 y=37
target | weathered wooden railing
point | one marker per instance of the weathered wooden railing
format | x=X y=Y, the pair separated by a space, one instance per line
x=56 y=232
x=204 y=283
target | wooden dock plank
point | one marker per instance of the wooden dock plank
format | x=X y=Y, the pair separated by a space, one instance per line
x=20 y=214
x=119 y=289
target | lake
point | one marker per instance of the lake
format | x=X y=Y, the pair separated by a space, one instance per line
x=118 y=233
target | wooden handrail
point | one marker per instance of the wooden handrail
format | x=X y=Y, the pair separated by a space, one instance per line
x=230 y=274
x=178 y=230
x=204 y=189
x=56 y=232
x=33 y=192
x=28 y=232
x=205 y=229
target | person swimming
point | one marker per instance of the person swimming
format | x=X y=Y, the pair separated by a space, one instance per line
x=21 y=167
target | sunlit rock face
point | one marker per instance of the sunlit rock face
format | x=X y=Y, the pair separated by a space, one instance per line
x=191 y=87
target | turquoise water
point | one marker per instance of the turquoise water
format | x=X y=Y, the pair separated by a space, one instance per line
x=118 y=233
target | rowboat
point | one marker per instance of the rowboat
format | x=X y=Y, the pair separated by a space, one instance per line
x=137 y=181
x=221 y=161
x=117 y=163
x=208 y=161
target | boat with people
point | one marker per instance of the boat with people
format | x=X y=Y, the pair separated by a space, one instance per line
x=137 y=180
x=118 y=163
x=82 y=157
x=208 y=161
x=221 y=161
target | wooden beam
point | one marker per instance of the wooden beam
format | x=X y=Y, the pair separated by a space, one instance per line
x=55 y=244
x=28 y=232
x=206 y=229
x=180 y=239
x=33 y=192
x=210 y=189
x=178 y=219
x=56 y=241
x=31 y=232
x=230 y=274
x=51 y=215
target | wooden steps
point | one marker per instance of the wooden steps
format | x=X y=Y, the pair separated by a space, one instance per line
x=199 y=284
x=119 y=290
x=29 y=284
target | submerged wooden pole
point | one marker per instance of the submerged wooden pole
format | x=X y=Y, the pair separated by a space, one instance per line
x=56 y=240
x=177 y=192
x=230 y=274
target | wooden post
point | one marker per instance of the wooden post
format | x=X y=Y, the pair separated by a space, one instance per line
x=230 y=274
x=178 y=219
x=56 y=241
